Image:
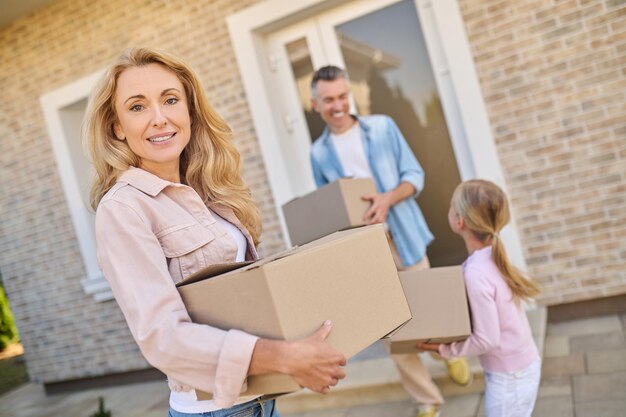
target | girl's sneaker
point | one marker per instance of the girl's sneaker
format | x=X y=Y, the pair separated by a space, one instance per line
x=427 y=411
x=459 y=371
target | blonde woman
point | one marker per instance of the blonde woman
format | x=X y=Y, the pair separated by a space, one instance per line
x=501 y=336
x=169 y=200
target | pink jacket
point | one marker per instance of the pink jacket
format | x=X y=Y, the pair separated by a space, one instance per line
x=151 y=234
x=501 y=336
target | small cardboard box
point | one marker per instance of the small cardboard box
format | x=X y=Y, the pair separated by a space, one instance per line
x=439 y=307
x=348 y=277
x=335 y=206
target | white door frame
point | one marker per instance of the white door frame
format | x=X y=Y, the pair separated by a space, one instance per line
x=293 y=137
x=452 y=63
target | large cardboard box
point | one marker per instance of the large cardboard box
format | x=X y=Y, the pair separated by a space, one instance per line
x=348 y=277
x=335 y=206
x=439 y=307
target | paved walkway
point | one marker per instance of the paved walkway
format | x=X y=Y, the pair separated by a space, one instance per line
x=584 y=375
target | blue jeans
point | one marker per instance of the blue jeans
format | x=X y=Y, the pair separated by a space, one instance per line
x=252 y=408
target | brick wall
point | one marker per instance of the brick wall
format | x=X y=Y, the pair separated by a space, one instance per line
x=65 y=333
x=553 y=75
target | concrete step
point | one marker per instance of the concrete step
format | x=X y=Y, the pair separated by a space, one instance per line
x=372 y=377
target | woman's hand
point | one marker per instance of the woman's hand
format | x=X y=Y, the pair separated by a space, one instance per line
x=312 y=362
x=433 y=347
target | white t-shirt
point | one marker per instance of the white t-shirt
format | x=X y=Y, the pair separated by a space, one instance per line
x=351 y=153
x=349 y=147
x=187 y=401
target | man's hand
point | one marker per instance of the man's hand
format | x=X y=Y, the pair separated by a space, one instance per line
x=381 y=203
x=379 y=210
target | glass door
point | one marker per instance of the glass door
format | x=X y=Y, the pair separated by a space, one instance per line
x=381 y=44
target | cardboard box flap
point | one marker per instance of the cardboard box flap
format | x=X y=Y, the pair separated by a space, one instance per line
x=336 y=236
x=292 y=200
x=340 y=234
x=397 y=329
x=212 y=271
x=272 y=258
x=255 y=385
x=222 y=268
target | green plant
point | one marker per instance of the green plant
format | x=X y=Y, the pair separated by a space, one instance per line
x=8 y=330
x=13 y=373
x=101 y=411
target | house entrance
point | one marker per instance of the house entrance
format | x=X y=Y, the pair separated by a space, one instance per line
x=382 y=46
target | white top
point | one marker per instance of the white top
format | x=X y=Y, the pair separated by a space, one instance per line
x=349 y=147
x=236 y=234
x=187 y=401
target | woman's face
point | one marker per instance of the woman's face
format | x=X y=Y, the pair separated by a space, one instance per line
x=153 y=117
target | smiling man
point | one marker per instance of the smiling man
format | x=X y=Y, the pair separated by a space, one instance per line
x=373 y=147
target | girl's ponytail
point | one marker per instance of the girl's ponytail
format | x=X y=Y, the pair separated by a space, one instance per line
x=520 y=285
x=485 y=210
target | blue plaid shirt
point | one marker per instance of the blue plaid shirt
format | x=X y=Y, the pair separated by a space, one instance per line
x=391 y=161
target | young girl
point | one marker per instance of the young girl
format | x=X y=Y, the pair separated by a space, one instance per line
x=501 y=336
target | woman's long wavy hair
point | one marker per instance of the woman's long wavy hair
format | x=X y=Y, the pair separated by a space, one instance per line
x=210 y=163
x=485 y=210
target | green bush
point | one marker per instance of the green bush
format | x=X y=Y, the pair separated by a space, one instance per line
x=101 y=411
x=8 y=331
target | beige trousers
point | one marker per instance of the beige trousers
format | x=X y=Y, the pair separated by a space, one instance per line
x=414 y=375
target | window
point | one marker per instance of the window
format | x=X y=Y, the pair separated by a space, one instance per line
x=64 y=110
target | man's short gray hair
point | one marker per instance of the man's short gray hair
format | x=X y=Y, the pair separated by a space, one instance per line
x=327 y=73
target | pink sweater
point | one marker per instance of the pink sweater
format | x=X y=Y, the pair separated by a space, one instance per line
x=501 y=336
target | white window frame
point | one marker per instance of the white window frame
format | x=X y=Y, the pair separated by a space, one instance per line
x=450 y=52
x=52 y=104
